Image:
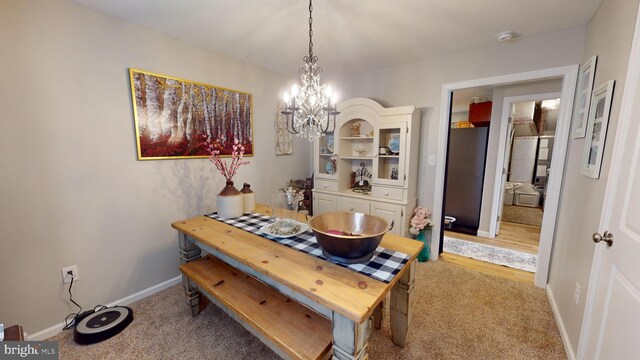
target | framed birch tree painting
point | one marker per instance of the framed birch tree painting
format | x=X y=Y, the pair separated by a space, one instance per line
x=177 y=118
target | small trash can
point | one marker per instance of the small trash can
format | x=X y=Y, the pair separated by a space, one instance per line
x=448 y=222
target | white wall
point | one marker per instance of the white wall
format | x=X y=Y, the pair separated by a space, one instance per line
x=421 y=83
x=609 y=35
x=72 y=189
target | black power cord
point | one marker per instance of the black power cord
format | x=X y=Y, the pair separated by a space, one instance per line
x=75 y=317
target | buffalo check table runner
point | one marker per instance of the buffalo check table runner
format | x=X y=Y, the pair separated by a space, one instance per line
x=383 y=266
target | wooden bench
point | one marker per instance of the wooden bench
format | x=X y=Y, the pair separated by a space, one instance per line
x=297 y=331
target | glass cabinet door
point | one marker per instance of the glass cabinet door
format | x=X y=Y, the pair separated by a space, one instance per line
x=389 y=164
x=325 y=157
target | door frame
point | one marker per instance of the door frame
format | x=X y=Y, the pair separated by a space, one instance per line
x=569 y=75
x=498 y=187
x=629 y=95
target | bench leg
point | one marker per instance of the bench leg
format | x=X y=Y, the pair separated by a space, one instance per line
x=350 y=339
x=378 y=314
x=193 y=295
x=189 y=251
x=400 y=310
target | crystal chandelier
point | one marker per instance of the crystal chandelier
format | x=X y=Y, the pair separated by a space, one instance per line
x=311 y=107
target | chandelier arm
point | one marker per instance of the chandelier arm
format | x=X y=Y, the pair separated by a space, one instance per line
x=293 y=120
x=333 y=128
x=291 y=127
x=290 y=113
x=323 y=129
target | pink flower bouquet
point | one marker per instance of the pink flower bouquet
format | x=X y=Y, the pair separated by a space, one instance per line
x=237 y=158
x=420 y=220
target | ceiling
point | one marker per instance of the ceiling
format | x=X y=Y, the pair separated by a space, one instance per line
x=349 y=36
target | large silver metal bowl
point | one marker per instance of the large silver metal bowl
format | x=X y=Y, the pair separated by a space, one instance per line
x=348 y=237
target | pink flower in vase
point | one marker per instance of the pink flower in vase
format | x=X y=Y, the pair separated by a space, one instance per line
x=420 y=220
x=237 y=158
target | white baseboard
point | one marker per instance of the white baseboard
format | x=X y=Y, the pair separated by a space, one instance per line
x=484 y=234
x=563 y=331
x=55 y=329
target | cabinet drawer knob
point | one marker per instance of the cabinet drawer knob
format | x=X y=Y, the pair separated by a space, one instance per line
x=386 y=193
x=350 y=208
x=325 y=186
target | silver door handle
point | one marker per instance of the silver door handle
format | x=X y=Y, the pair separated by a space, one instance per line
x=607 y=237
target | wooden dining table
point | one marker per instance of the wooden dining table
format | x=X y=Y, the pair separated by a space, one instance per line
x=346 y=305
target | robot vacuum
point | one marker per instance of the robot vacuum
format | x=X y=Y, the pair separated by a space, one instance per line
x=102 y=324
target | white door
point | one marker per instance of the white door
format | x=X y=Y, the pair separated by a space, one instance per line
x=612 y=316
x=505 y=167
x=523 y=159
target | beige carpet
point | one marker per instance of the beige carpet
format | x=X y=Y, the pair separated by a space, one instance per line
x=459 y=314
x=522 y=215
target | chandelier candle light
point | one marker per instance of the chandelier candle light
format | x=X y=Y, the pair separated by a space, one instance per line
x=311 y=106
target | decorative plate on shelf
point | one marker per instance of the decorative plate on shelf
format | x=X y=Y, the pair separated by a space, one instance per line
x=330 y=145
x=284 y=228
x=394 y=144
x=330 y=168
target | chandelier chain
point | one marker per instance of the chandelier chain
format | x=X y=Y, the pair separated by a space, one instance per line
x=310 y=30
x=310 y=111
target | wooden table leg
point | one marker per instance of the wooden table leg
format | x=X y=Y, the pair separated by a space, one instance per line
x=189 y=251
x=400 y=310
x=350 y=339
x=378 y=314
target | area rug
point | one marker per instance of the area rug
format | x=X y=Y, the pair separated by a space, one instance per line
x=522 y=215
x=495 y=255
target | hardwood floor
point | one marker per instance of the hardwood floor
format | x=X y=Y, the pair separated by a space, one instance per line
x=519 y=237
x=489 y=268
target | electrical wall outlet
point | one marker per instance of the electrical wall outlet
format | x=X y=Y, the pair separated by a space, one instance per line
x=576 y=295
x=68 y=271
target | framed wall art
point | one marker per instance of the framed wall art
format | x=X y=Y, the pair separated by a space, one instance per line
x=177 y=118
x=284 y=139
x=597 y=129
x=583 y=98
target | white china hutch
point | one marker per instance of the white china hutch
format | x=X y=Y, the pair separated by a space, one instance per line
x=369 y=164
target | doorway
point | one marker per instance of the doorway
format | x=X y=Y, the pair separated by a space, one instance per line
x=527 y=141
x=567 y=75
x=527 y=124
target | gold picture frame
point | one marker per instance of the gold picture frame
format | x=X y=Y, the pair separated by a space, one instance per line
x=178 y=119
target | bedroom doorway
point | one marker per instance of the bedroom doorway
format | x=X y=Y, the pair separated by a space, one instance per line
x=516 y=198
x=567 y=77
x=523 y=171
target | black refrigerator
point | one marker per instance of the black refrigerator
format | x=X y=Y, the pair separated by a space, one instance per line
x=466 y=155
